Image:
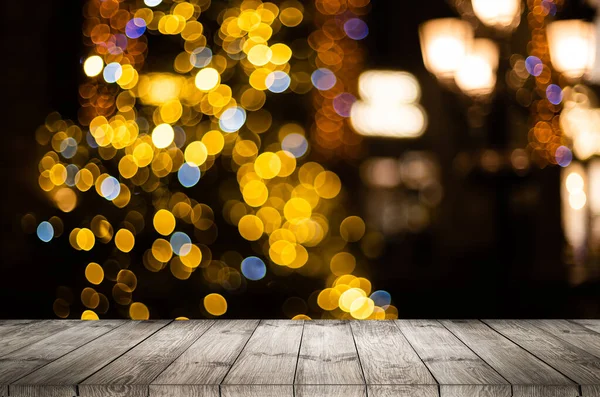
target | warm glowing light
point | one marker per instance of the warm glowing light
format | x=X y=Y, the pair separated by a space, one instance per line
x=93 y=66
x=162 y=136
x=572 y=47
x=387 y=108
x=477 y=74
x=499 y=14
x=444 y=44
x=207 y=79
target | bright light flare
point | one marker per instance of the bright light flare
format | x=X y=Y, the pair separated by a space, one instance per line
x=477 y=74
x=572 y=47
x=499 y=14
x=445 y=43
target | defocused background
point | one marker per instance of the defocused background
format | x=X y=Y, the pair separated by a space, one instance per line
x=481 y=215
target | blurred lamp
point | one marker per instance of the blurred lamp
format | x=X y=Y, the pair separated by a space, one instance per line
x=572 y=47
x=444 y=43
x=498 y=14
x=477 y=74
x=388 y=107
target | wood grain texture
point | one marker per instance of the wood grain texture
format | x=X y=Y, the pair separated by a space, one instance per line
x=572 y=333
x=29 y=358
x=475 y=391
x=544 y=391
x=451 y=362
x=594 y=325
x=590 y=390
x=575 y=363
x=207 y=361
x=257 y=390
x=17 y=337
x=132 y=373
x=270 y=356
x=386 y=356
x=328 y=355
x=330 y=390
x=402 y=391
x=516 y=365
x=184 y=391
x=60 y=377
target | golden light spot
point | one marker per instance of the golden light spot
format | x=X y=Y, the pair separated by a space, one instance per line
x=301 y=317
x=282 y=252
x=327 y=184
x=170 y=112
x=127 y=280
x=352 y=228
x=207 y=79
x=89 y=315
x=260 y=55
x=139 y=311
x=214 y=142
x=288 y=163
x=270 y=218
x=297 y=209
x=255 y=193
x=328 y=299
x=65 y=199
x=164 y=222
x=162 y=136
x=348 y=298
x=215 y=304
x=196 y=153
x=128 y=166
x=94 y=273
x=291 y=17
x=342 y=263
x=193 y=258
x=362 y=308
x=162 y=250
x=93 y=66
x=85 y=239
x=267 y=165
x=124 y=240
x=90 y=298
x=84 y=180
x=251 y=227
x=58 y=174
x=281 y=54
x=181 y=319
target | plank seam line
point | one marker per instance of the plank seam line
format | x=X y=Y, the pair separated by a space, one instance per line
x=362 y=370
x=558 y=336
x=298 y=359
x=238 y=356
x=120 y=355
x=512 y=390
x=439 y=386
x=584 y=327
x=213 y=322
x=534 y=355
x=30 y=325
x=50 y=362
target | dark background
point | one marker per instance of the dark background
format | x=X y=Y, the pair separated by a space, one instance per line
x=495 y=249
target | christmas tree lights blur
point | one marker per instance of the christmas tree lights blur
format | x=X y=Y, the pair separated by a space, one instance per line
x=131 y=179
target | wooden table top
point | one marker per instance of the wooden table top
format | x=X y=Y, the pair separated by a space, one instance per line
x=284 y=358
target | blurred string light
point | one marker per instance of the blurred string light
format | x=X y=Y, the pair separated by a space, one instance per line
x=388 y=106
x=149 y=143
x=339 y=57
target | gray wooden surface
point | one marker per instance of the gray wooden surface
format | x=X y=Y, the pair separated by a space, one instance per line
x=281 y=358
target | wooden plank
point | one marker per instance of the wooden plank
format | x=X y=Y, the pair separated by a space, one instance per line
x=572 y=333
x=328 y=358
x=23 y=334
x=331 y=390
x=135 y=370
x=29 y=358
x=594 y=325
x=459 y=371
x=269 y=358
x=61 y=377
x=575 y=363
x=402 y=391
x=388 y=359
x=256 y=390
x=206 y=362
x=524 y=371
